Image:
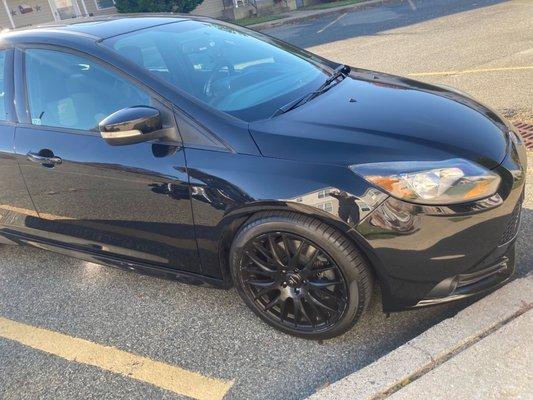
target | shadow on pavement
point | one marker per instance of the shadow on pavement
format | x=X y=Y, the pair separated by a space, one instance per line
x=372 y=21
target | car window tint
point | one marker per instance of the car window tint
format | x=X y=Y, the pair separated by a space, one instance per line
x=3 y=108
x=69 y=91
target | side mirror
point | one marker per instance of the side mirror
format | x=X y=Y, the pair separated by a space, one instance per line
x=132 y=125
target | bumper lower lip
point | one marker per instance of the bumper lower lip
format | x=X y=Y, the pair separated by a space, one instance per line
x=470 y=284
x=467 y=285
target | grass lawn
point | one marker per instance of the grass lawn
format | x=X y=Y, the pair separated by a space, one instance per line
x=333 y=4
x=257 y=20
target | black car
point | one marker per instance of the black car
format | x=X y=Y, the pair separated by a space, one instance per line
x=198 y=150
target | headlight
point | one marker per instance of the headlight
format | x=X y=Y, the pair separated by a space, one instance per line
x=428 y=182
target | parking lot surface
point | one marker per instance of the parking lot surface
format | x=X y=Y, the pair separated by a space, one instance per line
x=482 y=47
x=208 y=332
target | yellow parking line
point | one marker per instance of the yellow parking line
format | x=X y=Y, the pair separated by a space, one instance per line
x=471 y=71
x=108 y=358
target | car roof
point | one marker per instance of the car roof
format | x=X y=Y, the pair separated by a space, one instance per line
x=102 y=27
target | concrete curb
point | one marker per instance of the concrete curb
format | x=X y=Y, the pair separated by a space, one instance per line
x=310 y=14
x=435 y=346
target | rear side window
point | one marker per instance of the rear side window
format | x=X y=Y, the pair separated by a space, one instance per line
x=70 y=91
x=3 y=108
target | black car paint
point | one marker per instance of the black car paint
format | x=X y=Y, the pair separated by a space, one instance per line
x=172 y=208
x=386 y=122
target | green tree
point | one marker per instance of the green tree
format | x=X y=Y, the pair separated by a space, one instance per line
x=141 y=6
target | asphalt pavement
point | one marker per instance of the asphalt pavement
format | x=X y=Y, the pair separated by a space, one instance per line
x=210 y=331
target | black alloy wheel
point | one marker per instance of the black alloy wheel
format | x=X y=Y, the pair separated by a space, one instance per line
x=293 y=283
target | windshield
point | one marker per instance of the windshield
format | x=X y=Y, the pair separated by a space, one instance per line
x=232 y=71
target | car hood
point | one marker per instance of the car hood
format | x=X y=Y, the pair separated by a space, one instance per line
x=373 y=117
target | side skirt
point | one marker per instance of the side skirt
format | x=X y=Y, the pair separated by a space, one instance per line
x=142 y=268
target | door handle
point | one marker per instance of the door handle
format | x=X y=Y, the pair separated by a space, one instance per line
x=45 y=160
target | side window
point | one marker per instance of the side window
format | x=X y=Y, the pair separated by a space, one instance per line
x=3 y=113
x=103 y=4
x=69 y=91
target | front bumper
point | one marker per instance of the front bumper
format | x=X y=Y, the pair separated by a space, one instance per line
x=428 y=255
x=471 y=284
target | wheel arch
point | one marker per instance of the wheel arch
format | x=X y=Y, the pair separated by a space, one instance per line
x=237 y=218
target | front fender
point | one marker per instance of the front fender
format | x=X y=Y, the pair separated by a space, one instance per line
x=227 y=188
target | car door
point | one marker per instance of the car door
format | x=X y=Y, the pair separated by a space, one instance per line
x=130 y=202
x=16 y=208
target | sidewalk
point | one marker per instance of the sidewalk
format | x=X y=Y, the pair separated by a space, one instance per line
x=300 y=15
x=497 y=367
x=484 y=352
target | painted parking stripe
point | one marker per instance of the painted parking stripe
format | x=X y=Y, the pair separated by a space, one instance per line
x=332 y=23
x=165 y=376
x=472 y=71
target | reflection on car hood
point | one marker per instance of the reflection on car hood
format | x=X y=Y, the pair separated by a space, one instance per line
x=371 y=117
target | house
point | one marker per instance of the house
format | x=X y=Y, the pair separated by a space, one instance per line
x=237 y=9
x=20 y=13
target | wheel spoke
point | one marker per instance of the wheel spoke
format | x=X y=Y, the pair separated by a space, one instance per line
x=324 y=283
x=296 y=257
x=330 y=295
x=284 y=311
x=272 y=303
x=264 y=252
x=320 y=304
x=273 y=246
x=300 y=305
x=265 y=290
x=287 y=246
x=296 y=311
x=258 y=262
x=309 y=265
x=260 y=283
x=314 y=310
x=257 y=271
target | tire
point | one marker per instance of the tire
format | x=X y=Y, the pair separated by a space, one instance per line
x=300 y=275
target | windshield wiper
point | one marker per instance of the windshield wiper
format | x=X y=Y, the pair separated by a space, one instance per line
x=340 y=72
